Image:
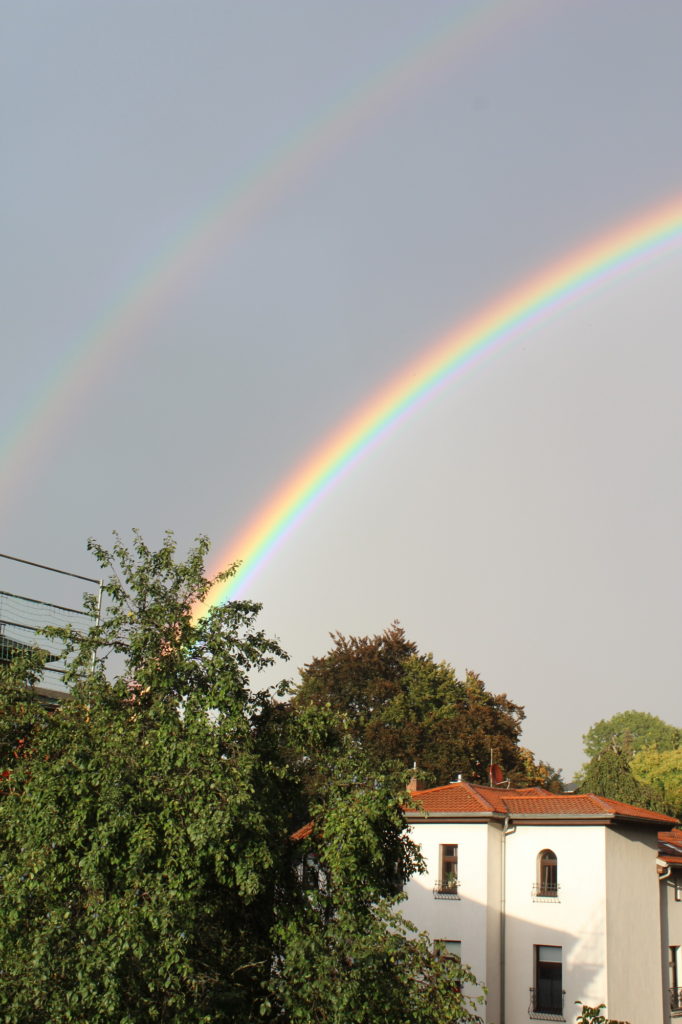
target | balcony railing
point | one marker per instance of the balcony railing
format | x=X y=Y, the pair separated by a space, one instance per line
x=446 y=889
x=546 y=1009
x=545 y=893
x=676 y=1001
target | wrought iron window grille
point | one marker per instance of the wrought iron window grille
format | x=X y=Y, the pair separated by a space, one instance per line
x=543 y=893
x=446 y=889
x=676 y=1002
x=542 y=1011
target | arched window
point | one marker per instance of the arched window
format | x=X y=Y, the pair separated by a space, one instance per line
x=548 y=882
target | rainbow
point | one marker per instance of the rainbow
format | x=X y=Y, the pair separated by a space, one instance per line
x=157 y=284
x=621 y=248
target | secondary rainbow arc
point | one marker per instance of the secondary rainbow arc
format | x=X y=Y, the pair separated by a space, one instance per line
x=627 y=245
x=223 y=220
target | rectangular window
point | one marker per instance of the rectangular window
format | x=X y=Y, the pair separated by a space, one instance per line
x=678 y=890
x=450 y=949
x=447 y=882
x=548 y=993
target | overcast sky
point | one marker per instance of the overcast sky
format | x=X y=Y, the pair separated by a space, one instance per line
x=225 y=224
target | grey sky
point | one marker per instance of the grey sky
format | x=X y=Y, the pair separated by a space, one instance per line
x=525 y=522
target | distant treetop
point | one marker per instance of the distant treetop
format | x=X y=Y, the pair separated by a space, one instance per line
x=630 y=732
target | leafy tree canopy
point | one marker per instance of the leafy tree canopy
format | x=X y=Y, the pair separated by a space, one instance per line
x=629 y=732
x=609 y=774
x=662 y=771
x=148 y=871
x=404 y=707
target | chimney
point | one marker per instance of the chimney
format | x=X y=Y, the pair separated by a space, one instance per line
x=413 y=785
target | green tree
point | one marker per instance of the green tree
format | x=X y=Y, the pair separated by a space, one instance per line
x=143 y=829
x=662 y=771
x=631 y=731
x=148 y=870
x=594 y=1015
x=345 y=953
x=403 y=707
x=609 y=774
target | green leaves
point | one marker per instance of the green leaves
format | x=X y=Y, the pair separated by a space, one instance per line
x=403 y=707
x=147 y=868
x=147 y=839
x=635 y=757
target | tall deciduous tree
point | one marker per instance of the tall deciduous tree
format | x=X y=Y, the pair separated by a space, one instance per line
x=143 y=828
x=148 y=872
x=608 y=774
x=402 y=706
x=662 y=771
x=630 y=731
x=345 y=953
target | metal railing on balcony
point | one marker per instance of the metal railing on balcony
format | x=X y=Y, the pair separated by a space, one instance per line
x=543 y=892
x=446 y=889
x=546 y=1005
x=676 y=1001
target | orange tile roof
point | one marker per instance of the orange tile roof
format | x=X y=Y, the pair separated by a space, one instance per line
x=467 y=799
x=670 y=846
x=674 y=836
x=302 y=833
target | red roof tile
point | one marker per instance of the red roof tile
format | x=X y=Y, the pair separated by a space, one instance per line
x=302 y=833
x=670 y=846
x=674 y=836
x=465 y=798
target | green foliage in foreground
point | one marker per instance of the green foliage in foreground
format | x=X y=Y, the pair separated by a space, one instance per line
x=594 y=1015
x=147 y=869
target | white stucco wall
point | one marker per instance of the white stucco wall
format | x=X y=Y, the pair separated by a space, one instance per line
x=606 y=920
x=633 y=926
x=464 y=919
x=576 y=921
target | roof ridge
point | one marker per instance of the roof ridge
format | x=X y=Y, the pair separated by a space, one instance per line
x=602 y=801
x=474 y=790
x=435 y=789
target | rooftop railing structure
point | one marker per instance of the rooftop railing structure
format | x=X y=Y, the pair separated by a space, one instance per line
x=22 y=619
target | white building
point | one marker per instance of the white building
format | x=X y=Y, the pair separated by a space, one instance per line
x=551 y=899
x=670 y=862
